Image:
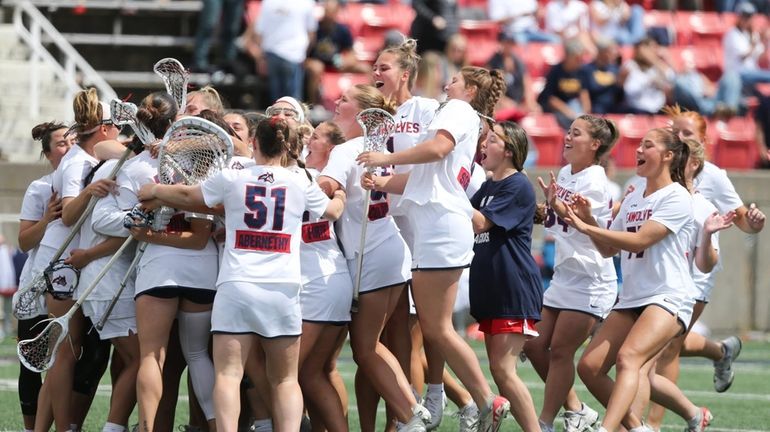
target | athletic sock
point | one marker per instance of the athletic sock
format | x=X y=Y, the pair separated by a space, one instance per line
x=194 y=331
x=113 y=427
x=436 y=388
x=695 y=421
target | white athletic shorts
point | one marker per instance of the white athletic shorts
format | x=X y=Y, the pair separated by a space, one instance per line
x=407 y=233
x=384 y=266
x=327 y=299
x=269 y=310
x=704 y=284
x=122 y=320
x=593 y=298
x=442 y=240
x=679 y=306
x=198 y=272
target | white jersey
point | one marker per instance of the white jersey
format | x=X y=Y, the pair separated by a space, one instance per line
x=702 y=209
x=137 y=172
x=577 y=261
x=444 y=182
x=716 y=187
x=67 y=181
x=105 y=221
x=412 y=120
x=241 y=162
x=342 y=168
x=264 y=205
x=320 y=254
x=661 y=273
x=33 y=208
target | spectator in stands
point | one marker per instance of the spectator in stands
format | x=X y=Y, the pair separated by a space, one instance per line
x=696 y=92
x=601 y=78
x=563 y=94
x=743 y=47
x=231 y=12
x=617 y=20
x=519 y=98
x=762 y=119
x=279 y=41
x=763 y=6
x=331 y=50
x=455 y=56
x=518 y=21
x=434 y=24
x=647 y=79
x=569 y=19
x=673 y=5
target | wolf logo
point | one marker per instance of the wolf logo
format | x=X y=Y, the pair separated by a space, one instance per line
x=266 y=177
x=59 y=280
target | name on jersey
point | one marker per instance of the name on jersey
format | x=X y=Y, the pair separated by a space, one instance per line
x=563 y=193
x=263 y=241
x=482 y=238
x=407 y=127
x=638 y=216
x=316 y=232
x=464 y=178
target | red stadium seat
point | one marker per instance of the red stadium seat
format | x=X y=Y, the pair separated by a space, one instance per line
x=367 y=48
x=333 y=84
x=539 y=57
x=707 y=59
x=736 y=147
x=699 y=27
x=476 y=29
x=547 y=136
x=480 y=51
x=658 y=18
x=632 y=129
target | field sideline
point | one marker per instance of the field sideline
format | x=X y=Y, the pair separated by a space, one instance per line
x=744 y=408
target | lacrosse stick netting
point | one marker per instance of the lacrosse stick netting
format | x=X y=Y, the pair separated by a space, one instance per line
x=26 y=303
x=175 y=77
x=193 y=150
x=39 y=353
x=378 y=126
x=124 y=113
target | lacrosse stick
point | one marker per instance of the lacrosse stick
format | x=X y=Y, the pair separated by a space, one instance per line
x=121 y=113
x=39 y=353
x=175 y=77
x=192 y=150
x=103 y=320
x=378 y=126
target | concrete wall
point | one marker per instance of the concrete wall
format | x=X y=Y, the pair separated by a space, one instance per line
x=741 y=298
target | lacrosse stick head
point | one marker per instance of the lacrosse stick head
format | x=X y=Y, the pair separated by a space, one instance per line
x=175 y=77
x=192 y=150
x=378 y=126
x=61 y=279
x=26 y=302
x=124 y=113
x=39 y=353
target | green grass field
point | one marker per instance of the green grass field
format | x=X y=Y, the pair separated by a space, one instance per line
x=744 y=408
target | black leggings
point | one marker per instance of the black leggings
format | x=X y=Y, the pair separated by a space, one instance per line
x=29 y=382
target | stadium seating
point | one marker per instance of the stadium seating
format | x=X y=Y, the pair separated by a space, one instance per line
x=547 y=136
x=736 y=148
x=333 y=84
x=632 y=129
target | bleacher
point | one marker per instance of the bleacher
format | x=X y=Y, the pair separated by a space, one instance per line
x=121 y=39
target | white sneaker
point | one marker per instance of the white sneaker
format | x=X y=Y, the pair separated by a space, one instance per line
x=468 y=418
x=415 y=424
x=492 y=417
x=579 y=421
x=434 y=402
x=642 y=428
x=723 y=369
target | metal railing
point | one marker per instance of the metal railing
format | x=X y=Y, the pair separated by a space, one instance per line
x=72 y=69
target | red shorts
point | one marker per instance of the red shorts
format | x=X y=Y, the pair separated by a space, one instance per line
x=508 y=325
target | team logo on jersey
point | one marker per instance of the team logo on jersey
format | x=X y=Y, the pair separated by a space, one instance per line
x=464 y=177
x=237 y=165
x=266 y=177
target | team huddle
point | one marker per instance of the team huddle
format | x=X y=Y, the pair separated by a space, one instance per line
x=244 y=267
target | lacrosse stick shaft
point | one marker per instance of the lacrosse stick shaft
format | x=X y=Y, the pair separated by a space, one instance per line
x=103 y=320
x=360 y=257
x=91 y=204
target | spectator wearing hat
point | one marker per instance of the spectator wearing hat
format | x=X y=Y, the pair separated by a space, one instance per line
x=601 y=78
x=743 y=47
x=563 y=93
